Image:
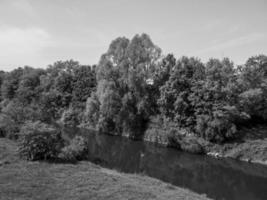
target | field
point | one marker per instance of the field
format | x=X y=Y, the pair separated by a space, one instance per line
x=25 y=180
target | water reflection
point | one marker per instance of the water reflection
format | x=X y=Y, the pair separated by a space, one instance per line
x=219 y=179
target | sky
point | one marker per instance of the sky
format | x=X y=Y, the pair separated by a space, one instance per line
x=39 y=32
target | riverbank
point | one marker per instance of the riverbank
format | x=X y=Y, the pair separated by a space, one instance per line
x=21 y=179
x=251 y=146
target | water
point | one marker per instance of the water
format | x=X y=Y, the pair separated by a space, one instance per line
x=219 y=179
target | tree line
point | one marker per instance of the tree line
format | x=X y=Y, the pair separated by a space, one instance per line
x=133 y=84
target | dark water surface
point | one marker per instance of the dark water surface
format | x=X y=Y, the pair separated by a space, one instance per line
x=218 y=178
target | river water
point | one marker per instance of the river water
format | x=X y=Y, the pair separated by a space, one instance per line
x=218 y=178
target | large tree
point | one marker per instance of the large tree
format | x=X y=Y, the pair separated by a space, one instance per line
x=122 y=76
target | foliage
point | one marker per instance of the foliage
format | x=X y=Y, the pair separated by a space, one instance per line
x=121 y=104
x=203 y=100
x=2 y=76
x=70 y=117
x=76 y=150
x=174 y=99
x=19 y=112
x=39 y=141
x=254 y=102
x=132 y=84
x=8 y=127
x=13 y=115
x=10 y=83
x=84 y=82
x=91 y=114
x=253 y=99
x=110 y=104
x=215 y=128
x=29 y=85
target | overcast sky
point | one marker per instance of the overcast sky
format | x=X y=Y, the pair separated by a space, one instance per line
x=40 y=32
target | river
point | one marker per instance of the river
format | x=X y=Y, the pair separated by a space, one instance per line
x=218 y=178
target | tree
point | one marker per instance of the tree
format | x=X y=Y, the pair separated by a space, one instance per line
x=253 y=78
x=202 y=99
x=84 y=82
x=11 y=83
x=174 y=99
x=110 y=104
x=52 y=105
x=29 y=89
x=122 y=76
x=214 y=102
x=57 y=88
x=91 y=113
x=163 y=70
x=2 y=77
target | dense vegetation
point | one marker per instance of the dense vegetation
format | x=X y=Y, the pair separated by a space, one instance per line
x=133 y=85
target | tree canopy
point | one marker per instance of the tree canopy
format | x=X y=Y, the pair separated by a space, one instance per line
x=134 y=83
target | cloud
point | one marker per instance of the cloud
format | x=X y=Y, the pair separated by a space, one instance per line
x=21 y=45
x=232 y=43
x=23 y=5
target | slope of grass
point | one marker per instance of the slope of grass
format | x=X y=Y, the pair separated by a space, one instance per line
x=41 y=180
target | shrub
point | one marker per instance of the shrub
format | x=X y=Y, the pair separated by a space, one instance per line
x=76 y=150
x=39 y=141
x=174 y=138
x=191 y=144
x=179 y=139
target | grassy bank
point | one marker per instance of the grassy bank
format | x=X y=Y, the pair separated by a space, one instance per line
x=250 y=146
x=20 y=179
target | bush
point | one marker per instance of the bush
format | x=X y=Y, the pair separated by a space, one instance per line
x=76 y=150
x=39 y=141
x=186 y=143
x=191 y=144
x=174 y=139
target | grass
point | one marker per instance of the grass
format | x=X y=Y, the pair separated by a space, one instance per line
x=25 y=180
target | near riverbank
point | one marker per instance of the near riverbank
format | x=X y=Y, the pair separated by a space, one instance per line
x=21 y=179
x=250 y=146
